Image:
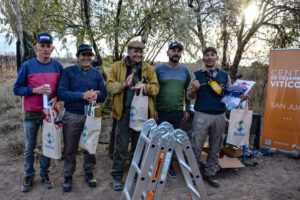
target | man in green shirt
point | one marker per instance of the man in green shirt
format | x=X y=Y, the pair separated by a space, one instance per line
x=173 y=79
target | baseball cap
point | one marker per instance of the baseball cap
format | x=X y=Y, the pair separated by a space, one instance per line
x=210 y=49
x=44 y=37
x=136 y=45
x=84 y=48
x=176 y=44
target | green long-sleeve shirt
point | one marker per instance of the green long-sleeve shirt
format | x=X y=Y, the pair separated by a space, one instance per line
x=173 y=86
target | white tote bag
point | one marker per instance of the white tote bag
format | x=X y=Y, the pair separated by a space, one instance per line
x=91 y=131
x=239 y=126
x=139 y=110
x=51 y=138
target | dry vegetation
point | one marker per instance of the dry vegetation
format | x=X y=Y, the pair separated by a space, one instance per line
x=11 y=127
x=11 y=124
x=260 y=180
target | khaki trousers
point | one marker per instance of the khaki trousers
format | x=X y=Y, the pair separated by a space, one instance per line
x=208 y=125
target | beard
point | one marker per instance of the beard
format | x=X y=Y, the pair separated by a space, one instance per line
x=174 y=59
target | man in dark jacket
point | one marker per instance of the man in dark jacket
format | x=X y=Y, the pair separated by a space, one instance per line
x=79 y=86
x=209 y=117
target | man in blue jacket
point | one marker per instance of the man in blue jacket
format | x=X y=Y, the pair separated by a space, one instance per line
x=37 y=76
x=79 y=86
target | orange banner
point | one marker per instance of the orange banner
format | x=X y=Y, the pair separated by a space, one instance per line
x=281 y=127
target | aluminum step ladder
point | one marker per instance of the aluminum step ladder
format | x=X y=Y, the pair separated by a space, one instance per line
x=148 y=171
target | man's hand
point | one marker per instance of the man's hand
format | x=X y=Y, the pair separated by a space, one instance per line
x=186 y=116
x=88 y=94
x=53 y=102
x=94 y=96
x=138 y=85
x=43 y=89
x=196 y=85
x=156 y=116
x=91 y=95
x=128 y=80
x=243 y=97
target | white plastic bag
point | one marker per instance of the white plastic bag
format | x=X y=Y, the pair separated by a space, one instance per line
x=51 y=138
x=91 y=131
x=139 y=110
x=239 y=126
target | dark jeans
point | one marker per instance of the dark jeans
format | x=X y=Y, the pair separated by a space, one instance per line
x=123 y=134
x=173 y=118
x=72 y=129
x=112 y=138
x=31 y=131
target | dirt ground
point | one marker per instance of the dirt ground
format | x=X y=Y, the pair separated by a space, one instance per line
x=267 y=178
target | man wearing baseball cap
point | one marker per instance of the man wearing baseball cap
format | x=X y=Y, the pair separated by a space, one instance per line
x=124 y=78
x=80 y=85
x=37 y=77
x=173 y=79
x=209 y=117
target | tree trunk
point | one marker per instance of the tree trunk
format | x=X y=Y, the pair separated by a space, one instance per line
x=116 y=34
x=86 y=7
x=200 y=34
x=16 y=4
x=225 y=37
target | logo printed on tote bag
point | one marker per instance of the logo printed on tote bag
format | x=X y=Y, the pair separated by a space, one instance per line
x=84 y=134
x=49 y=138
x=133 y=112
x=240 y=126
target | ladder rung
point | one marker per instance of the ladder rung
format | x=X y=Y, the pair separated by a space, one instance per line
x=185 y=166
x=137 y=169
x=127 y=194
x=193 y=189
x=145 y=138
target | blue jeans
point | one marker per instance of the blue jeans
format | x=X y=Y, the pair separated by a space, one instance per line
x=31 y=131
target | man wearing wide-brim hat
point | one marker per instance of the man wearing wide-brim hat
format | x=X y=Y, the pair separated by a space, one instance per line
x=124 y=78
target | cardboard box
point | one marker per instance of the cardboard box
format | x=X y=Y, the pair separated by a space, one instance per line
x=226 y=162
x=232 y=151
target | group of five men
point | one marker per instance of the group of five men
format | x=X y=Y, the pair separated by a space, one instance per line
x=169 y=88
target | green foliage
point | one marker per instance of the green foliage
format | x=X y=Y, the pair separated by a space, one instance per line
x=257 y=64
x=158 y=22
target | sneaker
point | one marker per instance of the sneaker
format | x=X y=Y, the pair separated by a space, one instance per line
x=28 y=181
x=212 y=181
x=67 y=185
x=89 y=178
x=117 y=185
x=46 y=182
x=171 y=173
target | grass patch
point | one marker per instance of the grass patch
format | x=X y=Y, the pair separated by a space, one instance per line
x=16 y=142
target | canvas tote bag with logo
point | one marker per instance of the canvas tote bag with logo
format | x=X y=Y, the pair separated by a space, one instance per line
x=51 y=138
x=139 y=110
x=239 y=126
x=91 y=131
